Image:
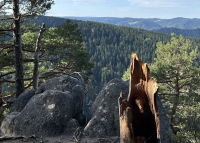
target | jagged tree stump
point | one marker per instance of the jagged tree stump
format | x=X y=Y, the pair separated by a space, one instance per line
x=138 y=115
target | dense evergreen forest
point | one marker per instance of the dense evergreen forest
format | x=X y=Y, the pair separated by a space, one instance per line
x=110 y=46
x=193 y=33
x=187 y=27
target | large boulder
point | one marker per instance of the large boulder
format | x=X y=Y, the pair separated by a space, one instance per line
x=22 y=100
x=45 y=114
x=72 y=125
x=6 y=126
x=104 y=113
x=165 y=130
x=66 y=83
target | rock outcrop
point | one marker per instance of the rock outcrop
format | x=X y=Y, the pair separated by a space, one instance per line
x=22 y=100
x=165 y=130
x=56 y=108
x=45 y=114
x=104 y=113
x=66 y=83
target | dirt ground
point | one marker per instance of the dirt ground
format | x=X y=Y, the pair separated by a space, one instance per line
x=62 y=139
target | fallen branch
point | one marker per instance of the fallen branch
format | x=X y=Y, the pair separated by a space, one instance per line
x=77 y=134
x=115 y=140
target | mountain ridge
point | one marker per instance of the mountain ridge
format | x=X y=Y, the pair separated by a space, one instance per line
x=156 y=23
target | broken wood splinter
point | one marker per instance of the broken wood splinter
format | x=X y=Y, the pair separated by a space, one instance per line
x=138 y=115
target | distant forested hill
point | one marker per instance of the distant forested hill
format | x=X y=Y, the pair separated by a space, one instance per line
x=193 y=33
x=51 y=21
x=145 y=23
x=110 y=46
x=149 y=24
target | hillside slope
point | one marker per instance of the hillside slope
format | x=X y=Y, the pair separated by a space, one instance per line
x=193 y=33
x=110 y=47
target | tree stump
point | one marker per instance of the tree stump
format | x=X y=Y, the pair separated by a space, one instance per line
x=138 y=115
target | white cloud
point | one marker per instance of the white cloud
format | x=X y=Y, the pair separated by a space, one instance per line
x=85 y=1
x=88 y=1
x=161 y=3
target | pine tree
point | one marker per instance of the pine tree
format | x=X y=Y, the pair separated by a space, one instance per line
x=175 y=71
x=21 y=9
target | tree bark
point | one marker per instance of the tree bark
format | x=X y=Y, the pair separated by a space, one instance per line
x=138 y=115
x=36 y=57
x=176 y=102
x=19 y=77
x=1 y=99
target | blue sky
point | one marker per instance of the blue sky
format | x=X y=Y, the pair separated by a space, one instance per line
x=164 y=9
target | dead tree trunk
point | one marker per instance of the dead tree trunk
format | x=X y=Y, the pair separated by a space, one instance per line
x=138 y=115
x=19 y=76
x=36 y=57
